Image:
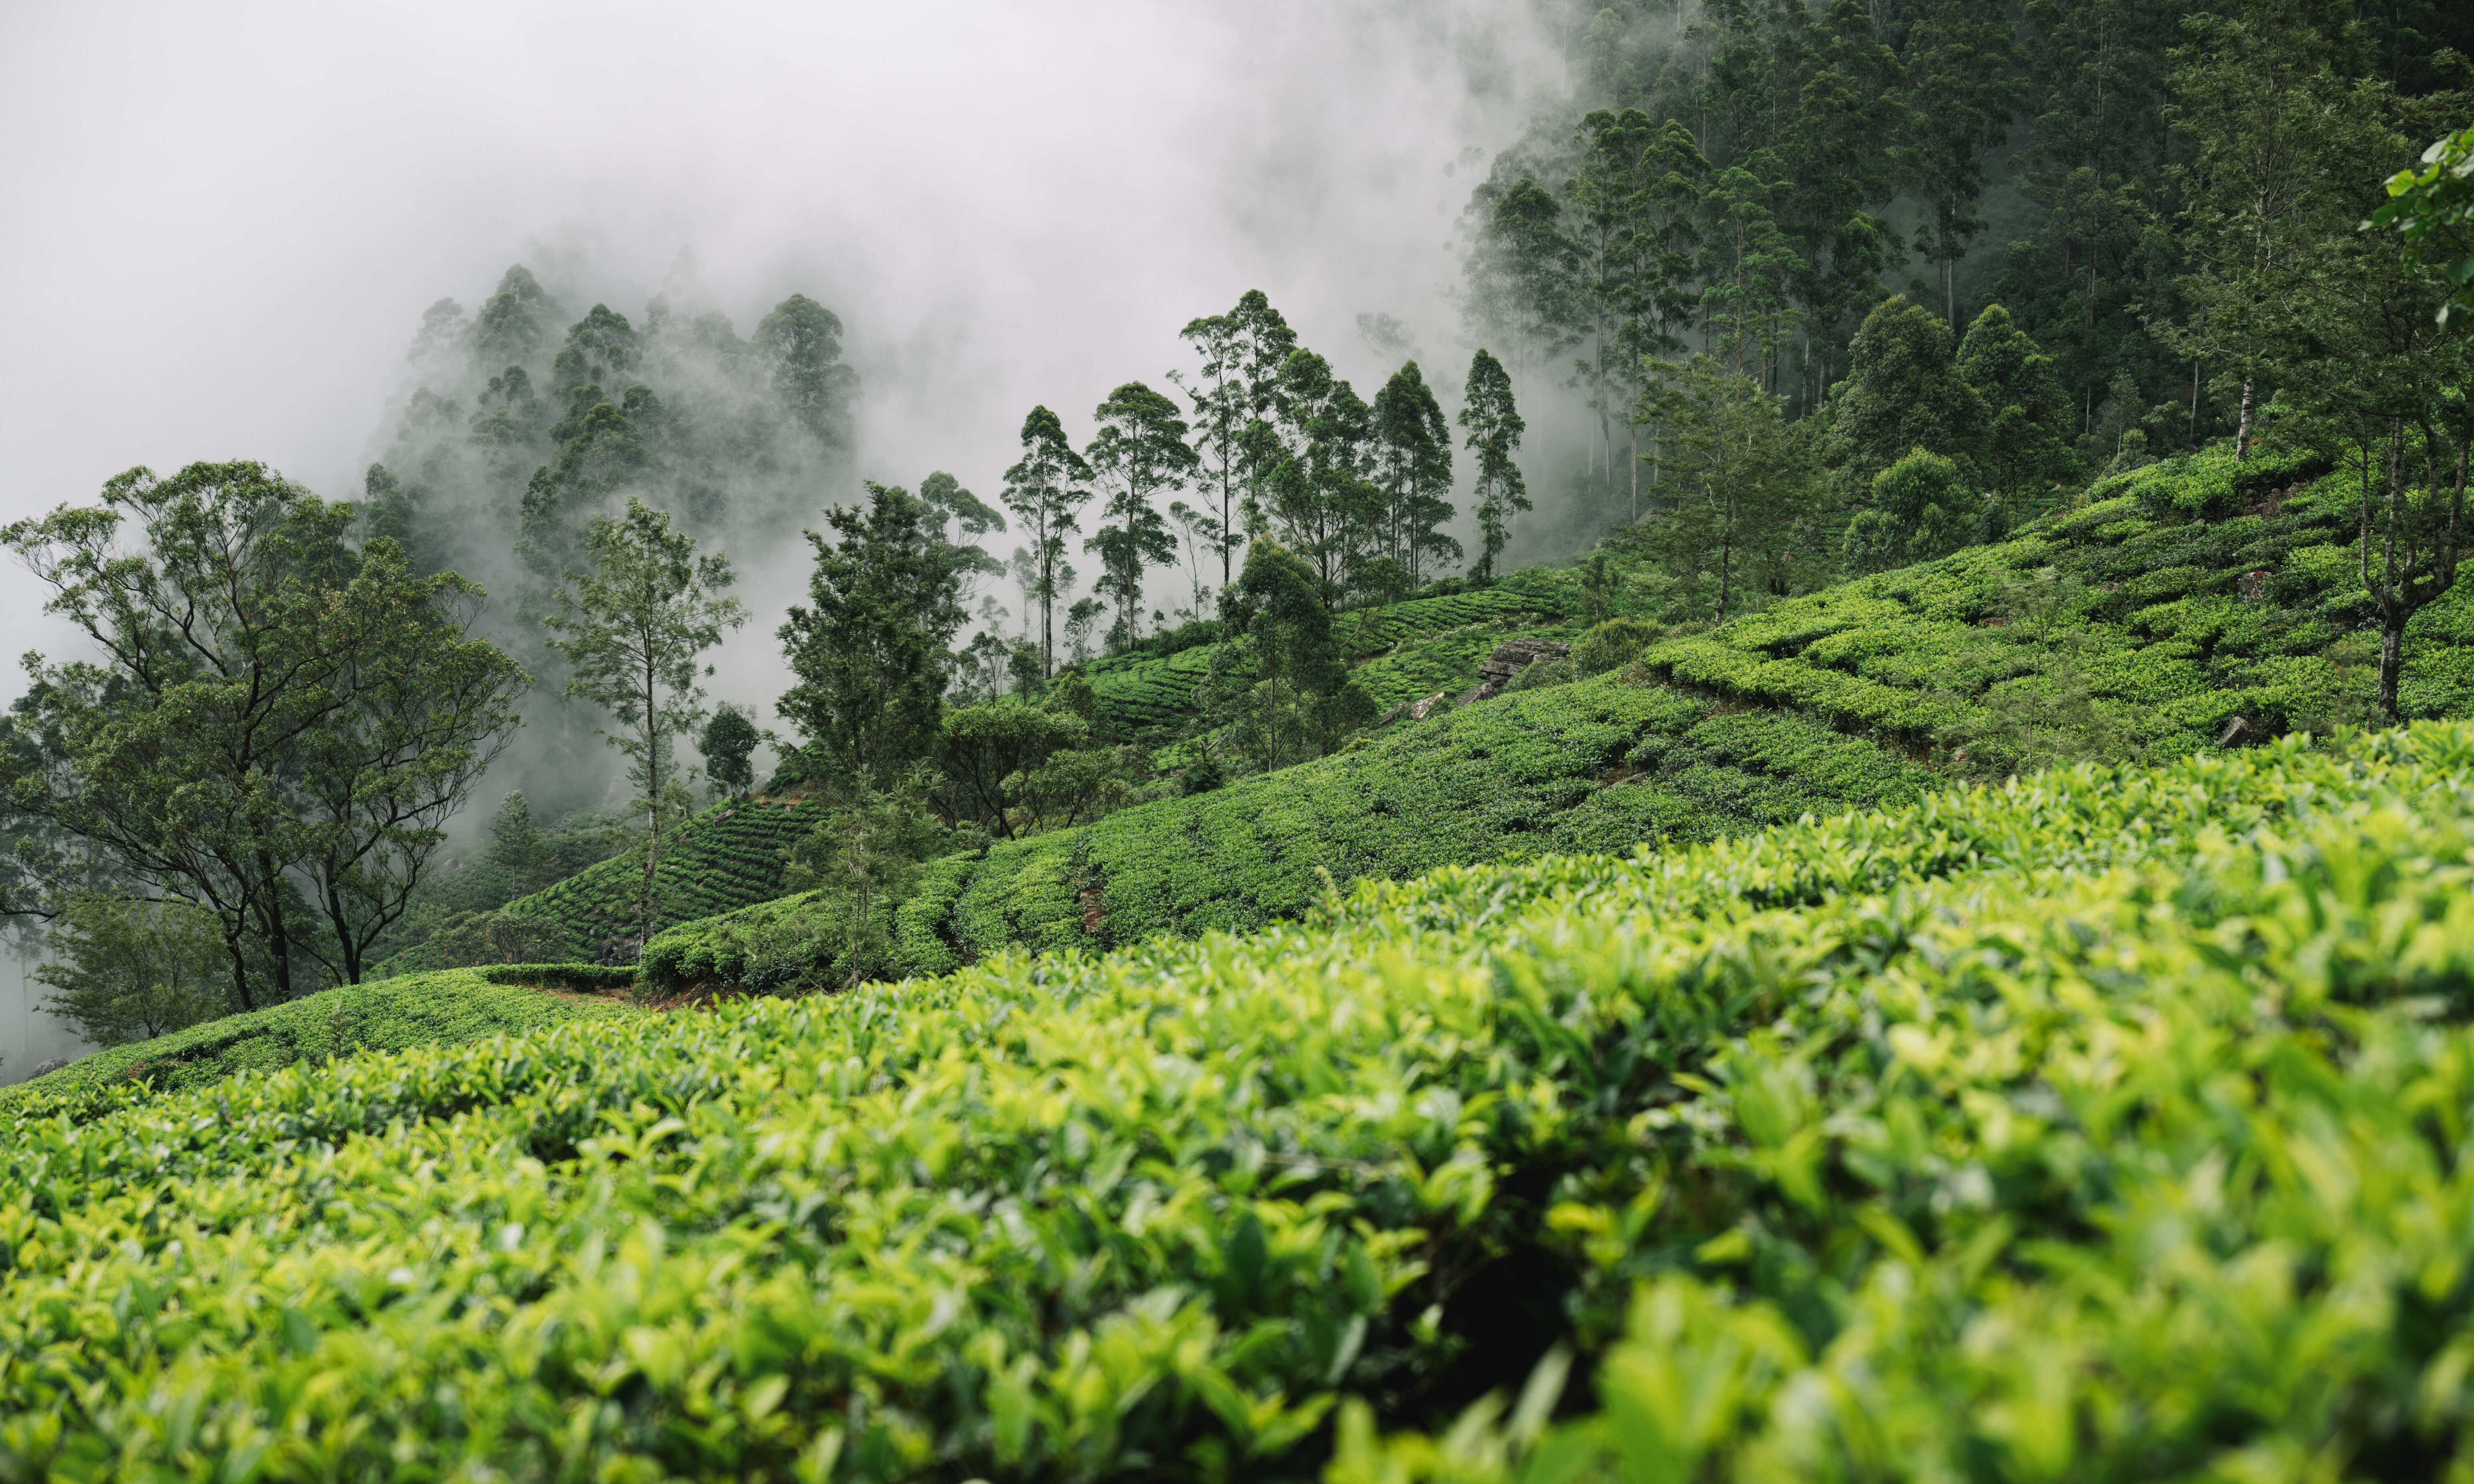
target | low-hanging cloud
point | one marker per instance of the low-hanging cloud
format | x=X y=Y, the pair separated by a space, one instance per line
x=229 y=220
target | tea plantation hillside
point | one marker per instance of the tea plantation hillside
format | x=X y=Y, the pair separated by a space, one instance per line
x=1598 y=765
x=2107 y=1125
x=2186 y=595
x=1399 y=651
x=728 y=856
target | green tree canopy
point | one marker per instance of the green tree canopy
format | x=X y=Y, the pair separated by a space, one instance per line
x=278 y=724
x=870 y=651
x=801 y=341
x=728 y=742
x=1902 y=391
x=125 y=970
x=1413 y=454
x=1139 y=452
x=1045 y=489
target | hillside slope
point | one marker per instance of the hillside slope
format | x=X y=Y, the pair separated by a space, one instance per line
x=2155 y=1081
x=2183 y=596
x=1399 y=651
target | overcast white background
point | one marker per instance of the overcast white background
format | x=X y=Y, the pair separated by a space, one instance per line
x=219 y=224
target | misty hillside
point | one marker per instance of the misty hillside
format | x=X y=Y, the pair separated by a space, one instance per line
x=1458 y=743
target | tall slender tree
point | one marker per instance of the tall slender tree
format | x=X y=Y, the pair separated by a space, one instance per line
x=1414 y=465
x=1316 y=494
x=1495 y=429
x=1044 y=490
x=1139 y=452
x=632 y=630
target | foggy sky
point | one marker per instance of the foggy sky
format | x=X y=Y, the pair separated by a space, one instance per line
x=226 y=219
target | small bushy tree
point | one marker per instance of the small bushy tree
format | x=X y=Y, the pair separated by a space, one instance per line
x=632 y=631
x=127 y=970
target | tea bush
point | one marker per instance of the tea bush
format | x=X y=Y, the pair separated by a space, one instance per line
x=1402 y=651
x=2110 y=1124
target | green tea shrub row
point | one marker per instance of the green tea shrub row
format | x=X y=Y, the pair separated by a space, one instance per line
x=439 y=1008
x=2106 y=1125
x=582 y=978
x=1141 y=692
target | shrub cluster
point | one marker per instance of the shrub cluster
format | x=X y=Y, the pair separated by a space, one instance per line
x=2106 y=1125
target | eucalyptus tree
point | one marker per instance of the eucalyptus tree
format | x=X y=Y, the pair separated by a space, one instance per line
x=1606 y=203
x=959 y=516
x=1747 y=268
x=1203 y=532
x=632 y=630
x=1739 y=476
x=1044 y=490
x=1412 y=458
x=277 y=726
x=1315 y=492
x=801 y=342
x=1522 y=273
x=1241 y=353
x=1139 y=452
x=2265 y=110
x=1965 y=80
x=1495 y=429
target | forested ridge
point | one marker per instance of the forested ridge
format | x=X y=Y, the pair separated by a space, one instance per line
x=1835 y=846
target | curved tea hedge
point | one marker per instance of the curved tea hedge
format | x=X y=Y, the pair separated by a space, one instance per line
x=439 y=1008
x=1599 y=765
x=2110 y=1124
x=727 y=856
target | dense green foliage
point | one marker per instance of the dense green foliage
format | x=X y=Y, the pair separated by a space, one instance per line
x=2155 y=195
x=274 y=727
x=1971 y=1131
x=445 y=1008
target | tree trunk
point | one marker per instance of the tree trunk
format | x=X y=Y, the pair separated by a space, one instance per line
x=2392 y=617
x=652 y=800
x=1636 y=473
x=2241 y=429
x=278 y=934
x=240 y=973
